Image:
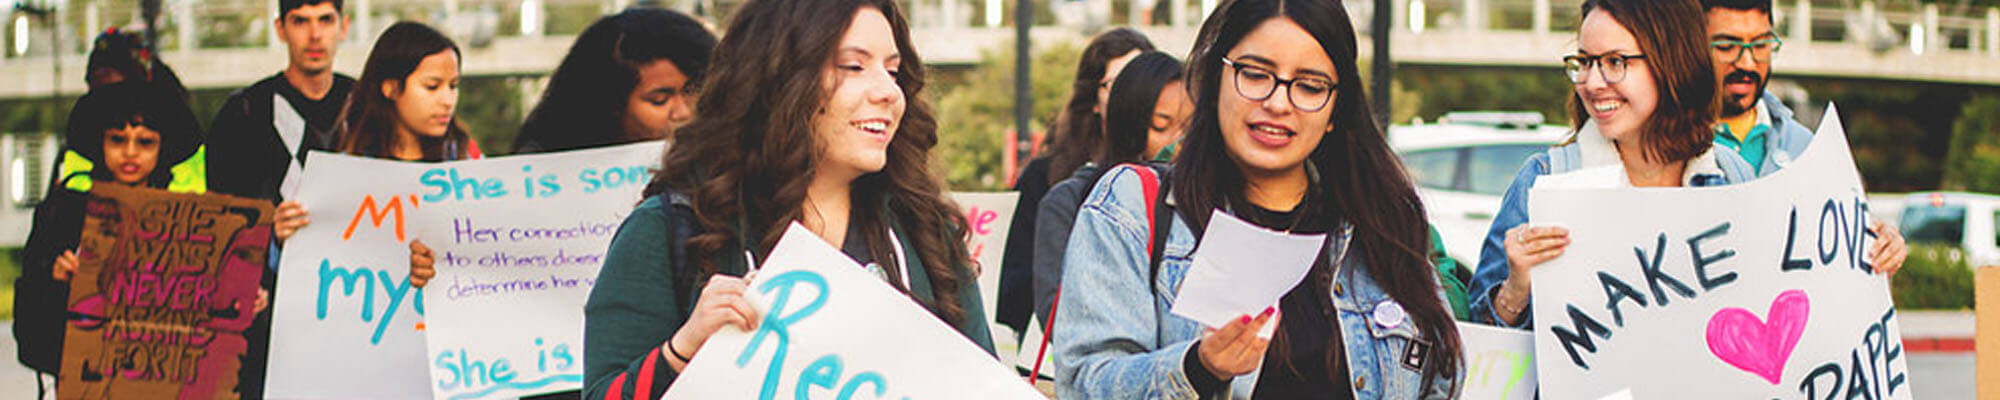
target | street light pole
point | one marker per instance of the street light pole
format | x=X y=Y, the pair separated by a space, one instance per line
x=1382 y=65
x=1024 y=101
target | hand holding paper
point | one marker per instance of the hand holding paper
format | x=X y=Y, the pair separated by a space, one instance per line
x=1242 y=269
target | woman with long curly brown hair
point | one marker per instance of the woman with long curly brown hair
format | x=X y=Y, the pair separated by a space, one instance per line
x=812 y=113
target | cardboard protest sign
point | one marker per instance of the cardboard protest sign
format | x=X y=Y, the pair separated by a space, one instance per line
x=823 y=335
x=1499 y=362
x=517 y=243
x=165 y=284
x=990 y=215
x=1755 y=290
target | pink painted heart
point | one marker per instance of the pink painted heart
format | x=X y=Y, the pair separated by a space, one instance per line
x=1760 y=347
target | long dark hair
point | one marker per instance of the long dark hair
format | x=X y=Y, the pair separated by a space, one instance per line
x=749 y=152
x=586 y=96
x=1674 y=37
x=154 y=105
x=369 y=118
x=1128 y=119
x=1078 y=129
x=1359 y=179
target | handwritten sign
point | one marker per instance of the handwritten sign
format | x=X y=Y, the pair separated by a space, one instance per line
x=166 y=283
x=990 y=215
x=517 y=241
x=516 y=259
x=821 y=336
x=1500 y=362
x=1754 y=290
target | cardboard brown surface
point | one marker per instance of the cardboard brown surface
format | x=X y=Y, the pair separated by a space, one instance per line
x=169 y=281
x=1987 y=335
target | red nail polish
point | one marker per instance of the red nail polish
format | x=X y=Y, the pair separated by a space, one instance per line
x=1244 y=319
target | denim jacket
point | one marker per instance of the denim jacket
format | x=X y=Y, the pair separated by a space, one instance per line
x=1115 y=338
x=1788 y=138
x=1588 y=151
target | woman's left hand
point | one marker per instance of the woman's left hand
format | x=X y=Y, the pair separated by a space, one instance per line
x=291 y=217
x=1889 y=250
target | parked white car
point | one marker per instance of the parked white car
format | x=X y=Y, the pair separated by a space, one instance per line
x=1462 y=165
x=1957 y=219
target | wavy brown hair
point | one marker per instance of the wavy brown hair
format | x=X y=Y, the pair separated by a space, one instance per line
x=1360 y=180
x=750 y=151
x=1673 y=34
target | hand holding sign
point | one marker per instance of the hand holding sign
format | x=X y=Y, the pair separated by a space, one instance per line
x=820 y=336
x=721 y=305
x=291 y=217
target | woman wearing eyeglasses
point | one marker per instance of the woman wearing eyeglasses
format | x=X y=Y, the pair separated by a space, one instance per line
x=1644 y=108
x=1281 y=137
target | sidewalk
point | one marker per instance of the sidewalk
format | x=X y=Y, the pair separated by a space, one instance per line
x=16 y=380
x=1937 y=331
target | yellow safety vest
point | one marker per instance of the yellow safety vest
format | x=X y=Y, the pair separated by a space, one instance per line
x=190 y=176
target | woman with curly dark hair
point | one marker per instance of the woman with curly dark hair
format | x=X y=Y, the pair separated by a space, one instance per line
x=811 y=112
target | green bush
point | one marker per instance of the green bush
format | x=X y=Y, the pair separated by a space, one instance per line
x=1974 y=161
x=1934 y=277
x=974 y=116
x=10 y=267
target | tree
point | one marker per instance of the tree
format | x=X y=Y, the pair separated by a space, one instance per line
x=1974 y=162
x=974 y=116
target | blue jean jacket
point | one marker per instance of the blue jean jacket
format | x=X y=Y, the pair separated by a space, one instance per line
x=1115 y=338
x=1514 y=211
x=1788 y=137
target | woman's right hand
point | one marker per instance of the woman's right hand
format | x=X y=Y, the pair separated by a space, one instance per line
x=721 y=304
x=1235 y=349
x=422 y=264
x=291 y=217
x=65 y=266
x=1529 y=246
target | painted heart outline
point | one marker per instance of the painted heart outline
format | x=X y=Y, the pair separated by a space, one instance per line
x=1760 y=347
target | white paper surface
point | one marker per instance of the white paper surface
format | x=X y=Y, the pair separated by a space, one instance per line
x=990 y=214
x=1499 y=362
x=1242 y=269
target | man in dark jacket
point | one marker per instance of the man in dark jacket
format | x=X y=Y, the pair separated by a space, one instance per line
x=258 y=141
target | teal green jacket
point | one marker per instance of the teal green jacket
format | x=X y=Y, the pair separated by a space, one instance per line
x=641 y=298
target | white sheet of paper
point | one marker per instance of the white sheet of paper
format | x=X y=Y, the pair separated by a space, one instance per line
x=1242 y=269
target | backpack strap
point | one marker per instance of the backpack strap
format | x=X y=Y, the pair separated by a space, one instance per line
x=1158 y=207
x=1152 y=184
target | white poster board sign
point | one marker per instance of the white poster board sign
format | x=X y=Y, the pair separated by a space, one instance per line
x=1499 y=362
x=517 y=240
x=1754 y=290
x=991 y=216
x=830 y=329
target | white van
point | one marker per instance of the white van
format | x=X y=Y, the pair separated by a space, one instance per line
x=1462 y=166
x=1958 y=219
